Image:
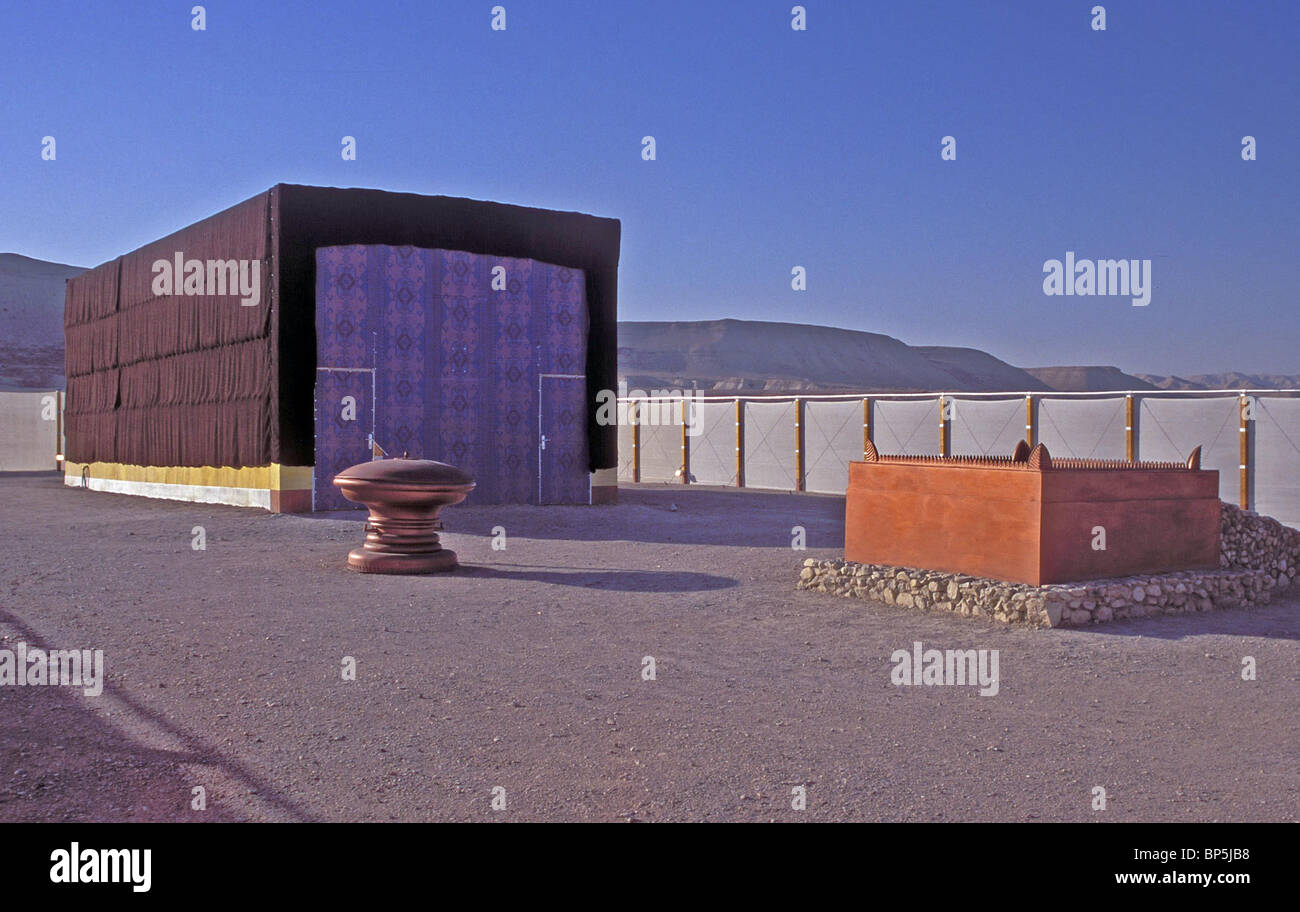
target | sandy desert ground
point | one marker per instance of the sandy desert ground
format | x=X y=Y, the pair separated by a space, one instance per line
x=523 y=671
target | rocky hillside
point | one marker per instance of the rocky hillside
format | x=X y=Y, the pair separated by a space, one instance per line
x=31 y=322
x=1088 y=379
x=751 y=356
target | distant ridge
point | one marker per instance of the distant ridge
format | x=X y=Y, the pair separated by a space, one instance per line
x=972 y=368
x=728 y=356
x=1230 y=380
x=1088 y=379
x=31 y=321
x=753 y=356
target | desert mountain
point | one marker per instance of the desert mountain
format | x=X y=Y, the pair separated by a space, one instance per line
x=31 y=321
x=729 y=356
x=1088 y=379
x=1231 y=380
x=976 y=370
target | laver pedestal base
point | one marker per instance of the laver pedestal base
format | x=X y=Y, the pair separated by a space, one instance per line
x=404 y=497
x=364 y=561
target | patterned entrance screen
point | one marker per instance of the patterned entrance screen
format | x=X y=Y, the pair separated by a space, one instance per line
x=459 y=347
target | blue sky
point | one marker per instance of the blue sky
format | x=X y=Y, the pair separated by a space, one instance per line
x=775 y=148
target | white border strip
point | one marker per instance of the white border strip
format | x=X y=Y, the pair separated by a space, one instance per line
x=210 y=494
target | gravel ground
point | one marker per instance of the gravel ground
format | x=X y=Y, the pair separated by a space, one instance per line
x=523 y=670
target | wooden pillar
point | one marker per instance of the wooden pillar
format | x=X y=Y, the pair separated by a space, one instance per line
x=740 y=443
x=686 y=447
x=1130 y=429
x=634 y=410
x=866 y=425
x=945 y=428
x=798 y=445
x=58 y=428
x=1244 y=498
x=1031 y=422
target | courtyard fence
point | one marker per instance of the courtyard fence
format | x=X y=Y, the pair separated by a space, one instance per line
x=805 y=443
x=31 y=430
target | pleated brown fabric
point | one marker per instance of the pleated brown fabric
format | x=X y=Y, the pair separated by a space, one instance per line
x=174 y=379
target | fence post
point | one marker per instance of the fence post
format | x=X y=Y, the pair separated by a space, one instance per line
x=867 y=442
x=58 y=429
x=635 y=412
x=1244 y=494
x=798 y=445
x=686 y=447
x=945 y=427
x=740 y=443
x=1031 y=421
x=1130 y=429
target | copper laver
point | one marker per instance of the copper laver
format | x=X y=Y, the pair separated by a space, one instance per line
x=404 y=497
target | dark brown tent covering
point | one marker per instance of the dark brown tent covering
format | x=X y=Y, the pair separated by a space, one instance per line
x=202 y=380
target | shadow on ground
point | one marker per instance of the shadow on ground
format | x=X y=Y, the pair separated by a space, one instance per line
x=1276 y=620
x=612 y=580
x=60 y=761
x=664 y=514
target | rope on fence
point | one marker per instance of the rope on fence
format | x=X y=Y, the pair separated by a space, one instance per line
x=722 y=461
x=1174 y=446
x=763 y=442
x=1278 y=425
x=811 y=417
x=904 y=444
x=1044 y=411
x=984 y=448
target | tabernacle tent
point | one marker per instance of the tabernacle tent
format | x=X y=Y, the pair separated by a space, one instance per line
x=247 y=358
